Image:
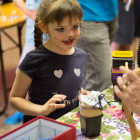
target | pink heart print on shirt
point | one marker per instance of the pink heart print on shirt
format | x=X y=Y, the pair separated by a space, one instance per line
x=77 y=72
x=58 y=73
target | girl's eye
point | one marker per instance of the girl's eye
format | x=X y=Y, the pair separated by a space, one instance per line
x=60 y=29
x=75 y=27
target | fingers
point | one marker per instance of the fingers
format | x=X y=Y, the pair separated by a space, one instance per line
x=125 y=98
x=51 y=104
x=121 y=95
x=52 y=107
x=62 y=97
x=124 y=80
x=132 y=1
x=56 y=106
x=53 y=100
x=129 y=73
x=125 y=1
x=133 y=80
x=85 y=93
x=131 y=91
x=56 y=98
x=118 y=92
x=120 y=81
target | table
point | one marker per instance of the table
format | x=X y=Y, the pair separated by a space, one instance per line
x=11 y=16
x=114 y=124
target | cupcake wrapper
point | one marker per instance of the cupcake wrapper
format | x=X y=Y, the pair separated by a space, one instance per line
x=90 y=127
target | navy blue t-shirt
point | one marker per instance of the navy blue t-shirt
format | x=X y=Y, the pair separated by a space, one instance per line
x=54 y=74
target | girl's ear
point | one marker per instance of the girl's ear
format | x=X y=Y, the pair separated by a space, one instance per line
x=42 y=27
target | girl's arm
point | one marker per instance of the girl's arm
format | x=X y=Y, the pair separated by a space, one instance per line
x=21 y=5
x=18 y=93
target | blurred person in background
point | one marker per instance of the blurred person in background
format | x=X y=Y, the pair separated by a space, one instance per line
x=128 y=33
x=100 y=25
x=30 y=9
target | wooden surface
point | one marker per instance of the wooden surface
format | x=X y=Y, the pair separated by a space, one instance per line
x=11 y=16
x=133 y=129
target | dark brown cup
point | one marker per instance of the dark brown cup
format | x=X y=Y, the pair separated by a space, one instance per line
x=90 y=127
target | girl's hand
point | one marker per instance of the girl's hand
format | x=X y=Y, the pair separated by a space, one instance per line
x=51 y=105
x=83 y=92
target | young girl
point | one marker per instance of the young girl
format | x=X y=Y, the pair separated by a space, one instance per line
x=52 y=74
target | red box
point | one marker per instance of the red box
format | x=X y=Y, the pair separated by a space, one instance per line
x=47 y=127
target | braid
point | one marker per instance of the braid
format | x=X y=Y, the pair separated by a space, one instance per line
x=37 y=35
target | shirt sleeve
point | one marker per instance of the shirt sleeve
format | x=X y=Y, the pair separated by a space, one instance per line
x=32 y=4
x=27 y=66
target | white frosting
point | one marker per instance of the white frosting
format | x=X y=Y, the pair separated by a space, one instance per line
x=92 y=99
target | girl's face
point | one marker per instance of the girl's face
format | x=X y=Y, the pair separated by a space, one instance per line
x=64 y=36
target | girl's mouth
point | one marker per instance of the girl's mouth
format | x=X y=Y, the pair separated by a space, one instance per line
x=68 y=42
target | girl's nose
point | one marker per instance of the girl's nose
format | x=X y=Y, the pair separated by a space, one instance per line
x=70 y=33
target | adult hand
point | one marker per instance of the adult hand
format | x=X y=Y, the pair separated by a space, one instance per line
x=31 y=14
x=131 y=95
x=21 y=5
x=83 y=92
x=125 y=1
x=51 y=105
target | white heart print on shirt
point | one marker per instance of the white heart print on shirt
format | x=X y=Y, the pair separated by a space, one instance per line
x=77 y=72
x=58 y=73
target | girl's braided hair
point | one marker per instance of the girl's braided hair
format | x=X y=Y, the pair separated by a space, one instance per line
x=37 y=35
x=55 y=11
